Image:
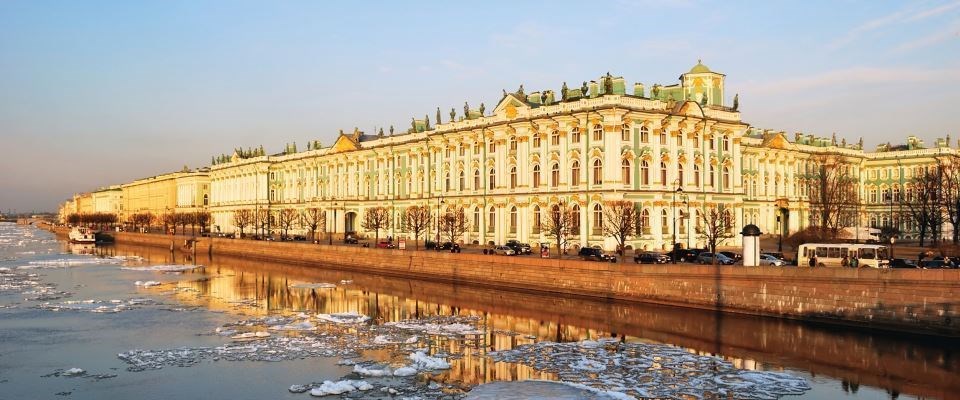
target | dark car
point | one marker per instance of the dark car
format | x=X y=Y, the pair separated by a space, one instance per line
x=453 y=247
x=707 y=258
x=934 y=264
x=902 y=263
x=732 y=255
x=350 y=239
x=519 y=248
x=595 y=254
x=686 y=255
x=651 y=258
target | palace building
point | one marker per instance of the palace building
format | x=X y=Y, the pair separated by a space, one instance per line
x=676 y=151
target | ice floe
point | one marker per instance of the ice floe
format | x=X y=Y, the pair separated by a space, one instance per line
x=444 y=326
x=650 y=371
x=424 y=362
x=96 y=306
x=320 y=285
x=339 y=387
x=147 y=283
x=350 y=317
x=162 y=268
x=68 y=262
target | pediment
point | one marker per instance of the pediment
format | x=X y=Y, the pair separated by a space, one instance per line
x=344 y=143
x=777 y=141
x=510 y=105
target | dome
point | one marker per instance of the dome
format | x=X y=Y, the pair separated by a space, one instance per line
x=751 y=230
x=699 y=68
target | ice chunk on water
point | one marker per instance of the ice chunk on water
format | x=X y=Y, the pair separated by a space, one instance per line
x=339 y=387
x=298 y=388
x=424 y=362
x=320 y=285
x=351 y=317
x=447 y=326
x=251 y=336
x=73 y=372
x=295 y=326
x=147 y=283
x=405 y=371
x=163 y=268
x=371 y=370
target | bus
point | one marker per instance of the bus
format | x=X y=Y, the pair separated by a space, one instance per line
x=831 y=254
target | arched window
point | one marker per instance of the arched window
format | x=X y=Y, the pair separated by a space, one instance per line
x=575 y=220
x=680 y=174
x=555 y=175
x=555 y=213
x=536 y=219
x=625 y=171
x=679 y=139
x=536 y=176
x=513 y=219
x=664 y=221
x=645 y=221
x=492 y=147
x=575 y=173
x=513 y=177
x=712 y=179
x=476 y=147
x=726 y=143
x=575 y=135
x=463 y=181
x=597 y=132
x=476 y=179
x=597 y=172
x=536 y=141
x=726 y=178
x=206 y=199
x=597 y=219
x=896 y=193
x=476 y=219
x=513 y=143
x=696 y=175
x=492 y=179
x=681 y=222
x=491 y=219
x=555 y=138
x=446 y=182
x=644 y=134
x=663 y=173
x=625 y=133
x=644 y=172
x=728 y=217
x=663 y=137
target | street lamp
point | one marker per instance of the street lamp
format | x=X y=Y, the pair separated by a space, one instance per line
x=686 y=201
x=673 y=204
x=893 y=240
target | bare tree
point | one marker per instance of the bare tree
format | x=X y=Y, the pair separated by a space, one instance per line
x=833 y=193
x=454 y=224
x=416 y=220
x=184 y=219
x=925 y=205
x=375 y=219
x=242 y=219
x=287 y=218
x=621 y=220
x=717 y=227
x=261 y=221
x=557 y=224
x=201 y=218
x=73 y=219
x=950 y=171
x=168 y=220
x=313 y=218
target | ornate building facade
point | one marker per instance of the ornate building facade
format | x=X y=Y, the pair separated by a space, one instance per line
x=676 y=151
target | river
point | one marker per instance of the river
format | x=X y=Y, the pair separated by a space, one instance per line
x=120 y=322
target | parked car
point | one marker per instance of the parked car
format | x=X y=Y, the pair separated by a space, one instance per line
x=299 y=238
x=731 y=255
x=766 y=259
x=903 y=263
x=595 y=254
x=934 y=264
x=686 y=255
x=707 y=258
x=504 y=251
x=651 y=258
x=385 y=244
x=453 y=247
x=350 y=239
x=519 y=248
x=779 y=256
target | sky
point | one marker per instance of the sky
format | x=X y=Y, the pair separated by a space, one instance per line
x=94 y=93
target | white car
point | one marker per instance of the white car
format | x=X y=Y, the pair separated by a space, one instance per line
x=504 y=250
x=766 y=259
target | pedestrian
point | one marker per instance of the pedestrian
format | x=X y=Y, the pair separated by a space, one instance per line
x=844 y=262
x=855 y=262
x=813 y=261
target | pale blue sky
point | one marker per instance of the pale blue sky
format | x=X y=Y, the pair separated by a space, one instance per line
x=94 y=93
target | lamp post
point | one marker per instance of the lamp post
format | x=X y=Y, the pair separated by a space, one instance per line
x=892 y=241
x=333 y=223
x=686 y=201
x=780 y=230
x=673 y=204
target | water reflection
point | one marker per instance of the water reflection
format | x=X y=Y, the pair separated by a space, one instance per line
x=921 y=367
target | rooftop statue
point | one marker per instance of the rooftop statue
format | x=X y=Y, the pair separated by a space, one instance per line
x=736 y=101
x=438 y=116
x=466 y=110
x=520 y=91
x=703 y=99
x=584 y=89
x=453 y=114
x=608 y=84
x=563 y=91
x=482 y=109
x=655 y=92
x=391 y=130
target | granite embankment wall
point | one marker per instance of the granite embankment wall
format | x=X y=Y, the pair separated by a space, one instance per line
x=916 y=301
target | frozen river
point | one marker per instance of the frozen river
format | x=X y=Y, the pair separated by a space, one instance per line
x=133 y=322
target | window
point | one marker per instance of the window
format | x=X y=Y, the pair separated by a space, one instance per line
x=597 y=219
x=536 y=176
x=463 y=150
x=625 y=133
x=476 y=148
x=597 y=172
x=710 y=140
x=575 y=135
x=536 y=141
x=492 y=179
x=513 y=219
x=696 y=175
x=644 y=222
x=513 y=177
x=696 y=141
x=555 y=138
x=536 y=219
x=644 y=172
x=463 y=181
x=598 y=132
x=644 y=134
x=680 y=181
x=664 y=221
x=679 y=139
x=476 y=219
x=681 y=222
x=575 y=173
x=492 y=147
x=663 y=138
x=726 y=178
x=491 y=219
x=446 y=182
x=575 y=220
x=726 y=143
x=555 y=175
x=625 y=171
x=663 y=173
x=513 y=143
x=476 y=179
x=206 y=199
x=711 y=180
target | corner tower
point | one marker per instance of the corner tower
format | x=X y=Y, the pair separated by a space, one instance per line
x=701 y=82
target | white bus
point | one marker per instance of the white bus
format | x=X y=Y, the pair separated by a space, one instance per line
x=832 y=254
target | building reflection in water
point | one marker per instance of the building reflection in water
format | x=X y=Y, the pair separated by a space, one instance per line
x=900 y=365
